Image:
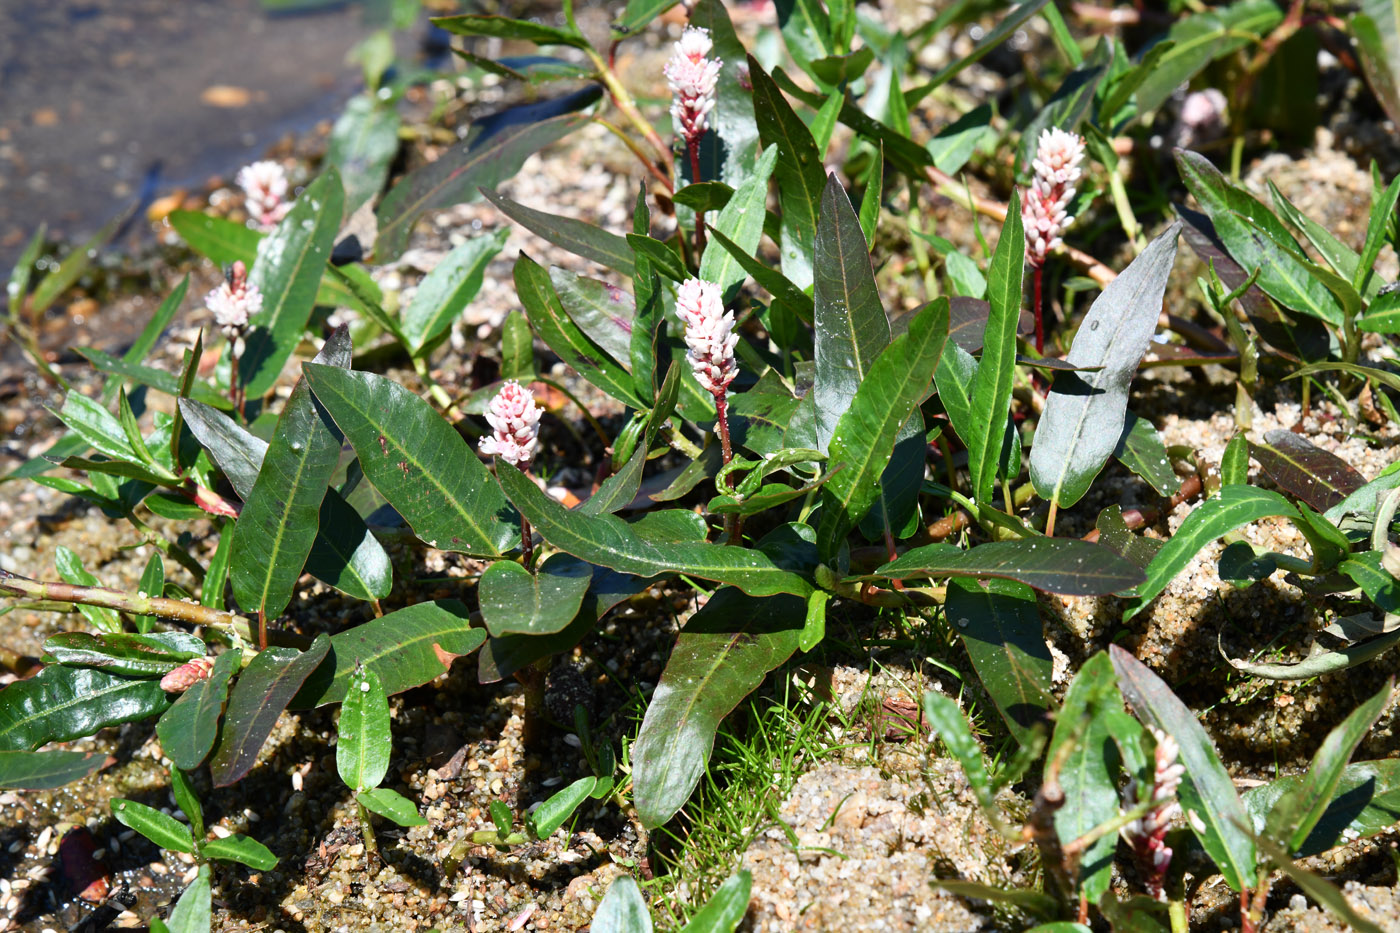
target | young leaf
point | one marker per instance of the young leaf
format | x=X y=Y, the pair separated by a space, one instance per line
x=280 y=519
x=211 y=589
x=417 y=461
x=725 y=909
x=446 y=291
x=364 y=744
x=1084 y=415
x=722 y=654
x=582 y=239
x=239 y=848
x=188 y=729
x=1054 y=565
x=1207 y=790
x=990 y=391
x=516 y=601
x=850 y=321
x=622 y=909
x=188 y=801
x=768 y=278
x=262 y=692
x=288 y=272
x=161 y=828
x=193 y=913
x=63 y=703
x=801 y=176
x=999 y=623
x=1236 y=506
x=391 y=805
x=20 y=770
x=551 y=814
x=742 y=221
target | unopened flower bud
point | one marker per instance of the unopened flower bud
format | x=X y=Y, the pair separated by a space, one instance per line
x=234 y=302
x=1045 y=204
x=515 y=422
x=187 y=675
x=265 y=186
x=692 y=77
x=709 y=334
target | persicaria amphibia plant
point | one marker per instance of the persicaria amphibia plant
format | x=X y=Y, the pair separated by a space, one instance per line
x=1045 y=205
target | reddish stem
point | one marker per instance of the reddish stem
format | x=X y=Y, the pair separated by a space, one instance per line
x=527 y=547
x=693 y=145
x=733 y=524
x=1038 y=275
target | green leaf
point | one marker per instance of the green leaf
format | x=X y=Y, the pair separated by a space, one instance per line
x=721 y=655
x=601 y=310
x=1312 y=474
x=660 y=255
x=501 y=27
x=363 y=143
x=483 y=161
x=96 y=425
x=193 y=913
x=161 y=828
x=157 y=379
x=608 y=541
x=1377 y=32
x=1365 y=801
x=576 y=236
x=622 y=909
x=990 y=391
x=288 y=272
x=1084 y=414
x=17 y=288
x=703 y=196
x=1318 y=888
x=729 y=151
x=563 y=336
x=517 y=348
x=1203 y=37
x=123 y=653
x=281 y=517
x=742 y=221
x=551 y=814
x=262 y=692
x=1065 y=109
x=800 y=174
x=516 y=601
x=21 y=770
x=1003 y=30
x=63 y=703
x=188 y=729
x=725 y=909
x=211 y=589
x=1236 y=506
x=239 y=848
x=391 y=805
x=446 y=291
x=187 y=799
x=946 y=721
x=1207 y=790
x=768 y=278
x=864 y=439
x=955 y=143
x=638 y=13
x=405 y=648
x=1285 y=274
x=71 y=269
x=1088 y=771
x=1054 y=565
x=1141 y=450
x=1234 y=462
x=999 y=623
x=1382 y=211
x=1339 y=256
x=851 y=327
x=1383 y=315
x=363 y=746
x=152 y=584
x=417 y=461
x=1329 y=545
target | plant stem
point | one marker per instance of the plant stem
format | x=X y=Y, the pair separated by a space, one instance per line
x=733 y=524
x=167 y=547
x=642 y=157
x=367 y=833
x=1176 y=913
x=693 y=146
x=1038 y=277
x=587 y=415
x=527 y=547
x=623 y=101
x=1050 y=519
x=439 y=394
x=12 y=584
x=235 y=388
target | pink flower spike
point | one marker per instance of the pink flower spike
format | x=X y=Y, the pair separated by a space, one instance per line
x=1045 y=204
x=187 y=675
x=515 y=422
x=709 y=334
x=234 y=302
x=692 y=77
x=265 y=186
x=1147 y=834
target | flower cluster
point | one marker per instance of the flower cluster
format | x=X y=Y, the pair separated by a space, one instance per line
x=1147 y=834
x=265 y=186
x=1045 y=204
x=515 y=423
x=692 y=77
x=709 y=334
x=234 y=302
x=187 y=675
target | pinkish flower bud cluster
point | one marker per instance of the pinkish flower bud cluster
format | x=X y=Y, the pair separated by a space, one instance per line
x=692 y=77
x=265 y=186
x=1045 y=204
x=709 y=334
x=187 y=675
x=234 y=302
x=515 y=423
x=1147 y=834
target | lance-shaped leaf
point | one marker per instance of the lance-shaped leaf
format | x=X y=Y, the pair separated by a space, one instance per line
x=288 y=272
x=1318 y=888
x=768 y=278
x=601 y=310
x=1084 y=413
x=363 y=143
x=1319 y=478
x=564 y=337
x=159 y=827
x=1207 y=791
x=622 y=910
x=1235 y=506
x=446 y=291
x=63 y=703
x=267 y=684
x=405 y=648
x=483 y=161
x=850 y=321
x=864 y=439
x=391 y=805
x=610 y=542
x=193 y=913
x=363 y=746
x=722 y=654
x=576 y=236
x=123 y=653
x=188 y=729
x=239 y=848
x=999 y=623
x=417 y=461
x=502 y=27
x=47 y=770
x=158 y=379
x=1141 y=450
x=551 y=814
x=801 y=176
x=1376 y=29
x=1200 y=39
x=990 y=391
x=281 y=516
x=516 y=601
x=1008 y=25
x=1365 y=801
x=1054 y=565
x=742 y=221
x=345 y=554
x=725 y=909
x=728 y=152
